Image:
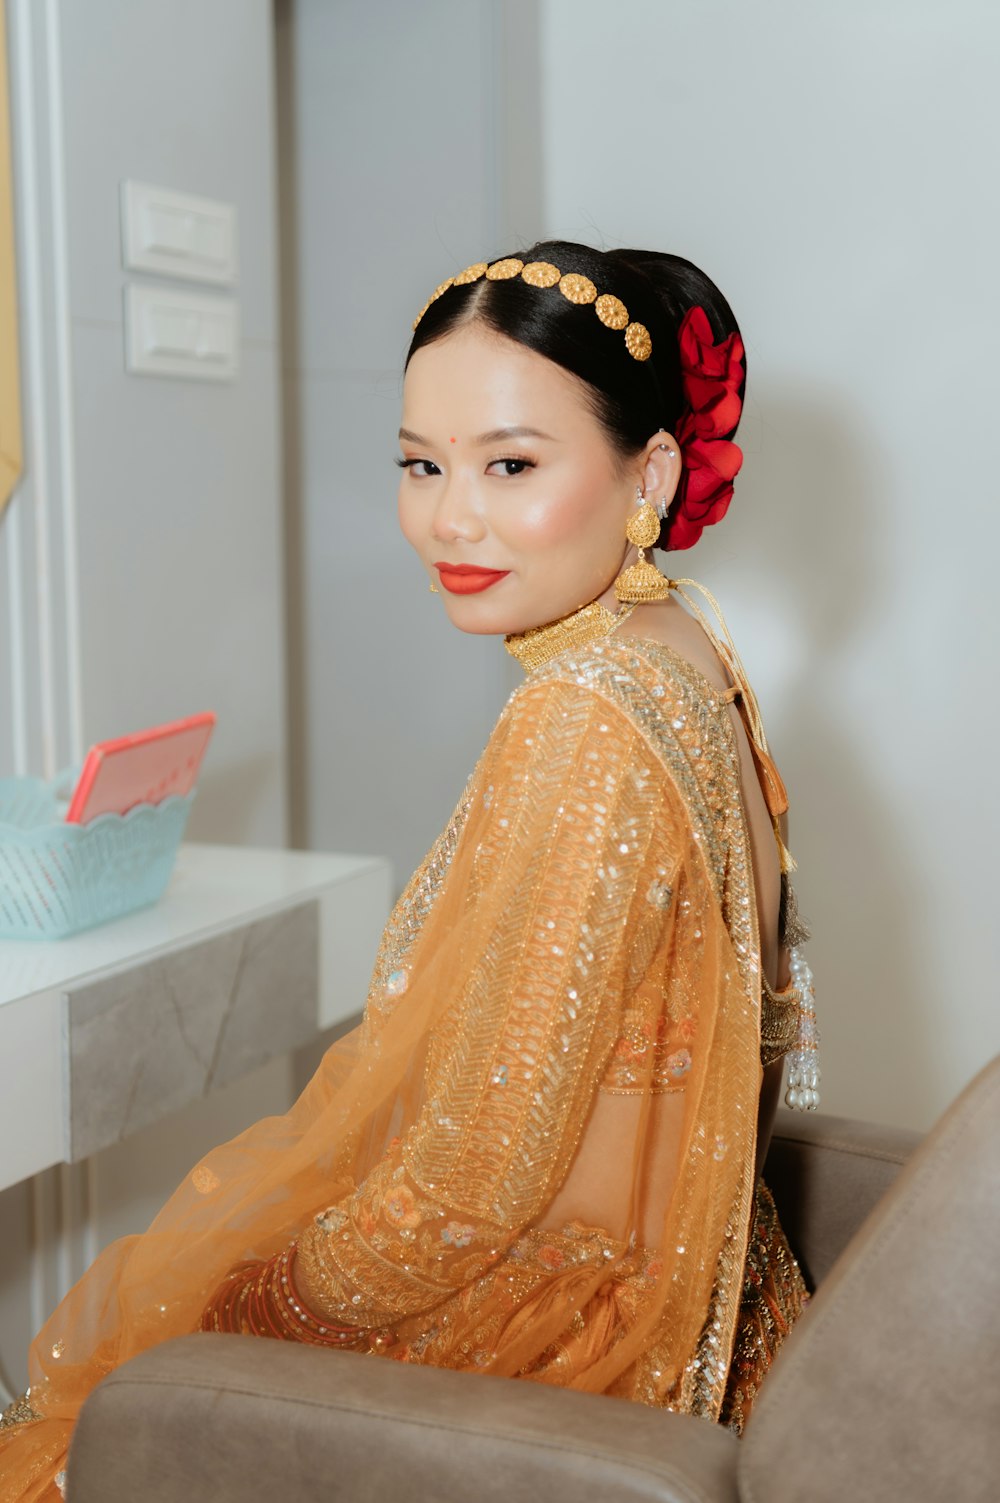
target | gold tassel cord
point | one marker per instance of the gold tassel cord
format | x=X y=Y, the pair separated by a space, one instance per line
x=787 y=860
x=729 y=654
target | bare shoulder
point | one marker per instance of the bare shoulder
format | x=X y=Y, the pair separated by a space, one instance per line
x=671 y=624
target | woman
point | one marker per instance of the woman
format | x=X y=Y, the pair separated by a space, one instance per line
x=538 y=1155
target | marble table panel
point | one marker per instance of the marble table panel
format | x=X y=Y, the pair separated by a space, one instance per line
x=148 y=1040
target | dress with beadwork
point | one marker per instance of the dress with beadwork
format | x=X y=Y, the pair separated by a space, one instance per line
x=534 y=1156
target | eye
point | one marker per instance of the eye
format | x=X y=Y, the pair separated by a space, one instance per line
x=418 y=468
x=512 y=467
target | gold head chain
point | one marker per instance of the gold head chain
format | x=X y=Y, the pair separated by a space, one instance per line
x=575 y=289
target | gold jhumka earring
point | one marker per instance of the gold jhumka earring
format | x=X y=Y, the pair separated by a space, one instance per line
x=590 y=623
x=642 y=580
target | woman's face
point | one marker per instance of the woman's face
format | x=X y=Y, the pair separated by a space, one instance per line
x=507 y=469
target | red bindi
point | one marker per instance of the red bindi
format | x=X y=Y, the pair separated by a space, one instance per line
x=452 y=440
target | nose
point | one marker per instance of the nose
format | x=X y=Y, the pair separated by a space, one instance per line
x=456 y=516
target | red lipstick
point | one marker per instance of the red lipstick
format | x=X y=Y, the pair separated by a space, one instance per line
x=468 y=579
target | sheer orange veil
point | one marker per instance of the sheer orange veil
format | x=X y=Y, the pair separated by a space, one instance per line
x=541 y=813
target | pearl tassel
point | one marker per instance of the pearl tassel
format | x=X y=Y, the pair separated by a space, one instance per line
x=803 y=1059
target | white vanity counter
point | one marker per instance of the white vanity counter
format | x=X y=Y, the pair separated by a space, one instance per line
x=248 y=954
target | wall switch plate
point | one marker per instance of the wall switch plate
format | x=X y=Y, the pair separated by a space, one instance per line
x=186 y=334
x=178 y=234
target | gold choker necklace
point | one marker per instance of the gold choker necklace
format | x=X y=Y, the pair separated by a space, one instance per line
x=588 y=624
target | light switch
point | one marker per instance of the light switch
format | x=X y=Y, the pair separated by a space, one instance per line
x=187 y=334
x=178 y=234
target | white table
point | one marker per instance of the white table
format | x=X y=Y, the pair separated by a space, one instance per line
x=249 y=953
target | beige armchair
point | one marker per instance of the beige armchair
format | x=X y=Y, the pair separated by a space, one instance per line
x=887 y=1389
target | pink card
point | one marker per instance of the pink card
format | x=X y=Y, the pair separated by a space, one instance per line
x=142 y=768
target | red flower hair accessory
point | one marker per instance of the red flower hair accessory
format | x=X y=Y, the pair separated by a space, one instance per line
x=712 y=376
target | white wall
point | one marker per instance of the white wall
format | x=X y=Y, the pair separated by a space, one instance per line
x=141 y=555
x=833 y=168
x=389 y=183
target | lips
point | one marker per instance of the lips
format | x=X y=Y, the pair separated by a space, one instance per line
x=468 y=579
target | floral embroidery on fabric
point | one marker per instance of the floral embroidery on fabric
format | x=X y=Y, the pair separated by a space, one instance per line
x=401 y=1207
x=205 y=1180
x=457 y=1234
x=646 y=1054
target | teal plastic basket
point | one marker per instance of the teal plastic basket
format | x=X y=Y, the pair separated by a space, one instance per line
x=57 y=879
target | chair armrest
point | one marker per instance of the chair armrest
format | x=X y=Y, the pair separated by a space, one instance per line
x=826 y=1175
x=207 y=1418
x=887 y=1387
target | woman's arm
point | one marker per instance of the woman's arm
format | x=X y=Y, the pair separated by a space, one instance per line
x=569 y=834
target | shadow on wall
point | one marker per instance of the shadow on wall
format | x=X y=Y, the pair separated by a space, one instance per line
x=291 y=425
x=808 y=546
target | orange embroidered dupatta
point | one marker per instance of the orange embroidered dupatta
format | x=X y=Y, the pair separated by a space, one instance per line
x=534 y=1157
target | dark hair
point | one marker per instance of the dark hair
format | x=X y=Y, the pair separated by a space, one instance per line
x=631 y=398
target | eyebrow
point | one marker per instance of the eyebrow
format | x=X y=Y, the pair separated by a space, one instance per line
x=495 y=435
